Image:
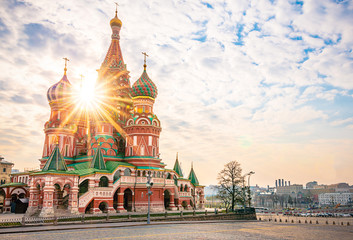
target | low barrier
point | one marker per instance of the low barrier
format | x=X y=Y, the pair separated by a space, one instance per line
x=304 y=220
x=129 y=217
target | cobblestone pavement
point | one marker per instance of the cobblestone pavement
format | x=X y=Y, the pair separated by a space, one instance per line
x=219 y=230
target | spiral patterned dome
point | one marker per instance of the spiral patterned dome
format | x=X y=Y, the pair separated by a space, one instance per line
x=60 y=90
x=144 y=87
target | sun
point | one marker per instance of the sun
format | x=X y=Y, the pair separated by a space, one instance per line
x=86 y=94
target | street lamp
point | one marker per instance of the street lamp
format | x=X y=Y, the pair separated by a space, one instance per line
x=149 y=184
x=244 y=197
x=250 y=173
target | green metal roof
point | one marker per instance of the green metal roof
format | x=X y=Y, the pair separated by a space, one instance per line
x=13 y=185
x=98 y=160
x=55 y=161
x=84 y=168
x=192 y=177
x=152 y=168
x=177 y=167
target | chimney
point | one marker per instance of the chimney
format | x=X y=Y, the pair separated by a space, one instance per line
x=279 y=182
x=288 y=183
x=285 y=183
x=276 y=184
x=282 y=182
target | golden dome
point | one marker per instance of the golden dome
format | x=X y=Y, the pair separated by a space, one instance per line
x=115 y=21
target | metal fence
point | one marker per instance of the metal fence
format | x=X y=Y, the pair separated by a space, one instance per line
x=117 y=217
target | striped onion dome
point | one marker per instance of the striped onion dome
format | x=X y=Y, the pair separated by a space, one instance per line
x=144 y=87
x=60 y=90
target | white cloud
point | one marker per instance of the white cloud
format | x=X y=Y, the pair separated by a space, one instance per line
x=235 y=81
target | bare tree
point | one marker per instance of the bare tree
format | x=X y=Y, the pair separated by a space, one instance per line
x=230 y=180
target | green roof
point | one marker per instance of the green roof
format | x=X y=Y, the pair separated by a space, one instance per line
x=84 y=169
x=192 y=177
x=16 y=184
x=55 y=161
x=153 y=168
x=177 y=167
x=98 y=160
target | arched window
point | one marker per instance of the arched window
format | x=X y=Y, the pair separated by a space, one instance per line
x=83 y=187
x=121 y=147
x=144 y=174
x=175 y=180
x=168 y=176
x=103 y=182
x=158 y=174
x=185 y=188
x=138 y=173
x=127 y=172
x=116 y=175
x=181 y=188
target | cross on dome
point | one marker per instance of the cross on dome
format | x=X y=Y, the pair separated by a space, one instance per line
x=66 y=60
x=116 y=8
x=144 y=60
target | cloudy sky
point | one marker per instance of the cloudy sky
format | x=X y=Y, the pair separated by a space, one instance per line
x=267 y=83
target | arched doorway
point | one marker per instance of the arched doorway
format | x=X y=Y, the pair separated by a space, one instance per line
x=89 y=207
x=13 y=202
x=83 y=187
x=128 y=200
x=103 y=206
x=66 y=196
x=116 y=176
x=184 y=204
x=103 y=182
x=58 y=197
x=191 y=203
x=115 y=199
x=166 y=199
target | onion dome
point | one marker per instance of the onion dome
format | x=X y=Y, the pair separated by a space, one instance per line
x=60 y=90
x=115 y=21
x=144 y=87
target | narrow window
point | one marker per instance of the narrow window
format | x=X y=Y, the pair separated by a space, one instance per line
x=150 y=140
x=135 y=140
x=142 y=150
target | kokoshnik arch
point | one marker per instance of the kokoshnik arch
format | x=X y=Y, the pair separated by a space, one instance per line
x=98 y=152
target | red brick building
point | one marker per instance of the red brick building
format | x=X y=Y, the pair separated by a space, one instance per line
x=96 y=157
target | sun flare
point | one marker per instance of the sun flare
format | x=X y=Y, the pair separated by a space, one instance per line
x=86 y=95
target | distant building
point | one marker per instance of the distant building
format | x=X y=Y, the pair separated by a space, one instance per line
x=335 y=198
x=311 y=185
x=293 y=190
x=5 y=170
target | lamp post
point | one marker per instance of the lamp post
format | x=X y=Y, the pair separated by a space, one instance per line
x=250 y=173
x=244 y=197
x=149 y=184
x=244 y=204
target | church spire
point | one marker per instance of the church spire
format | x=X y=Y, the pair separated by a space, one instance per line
x=177 y=167
x=55 y=161
x=113 y=61
x=192 y=176
x=98 y=159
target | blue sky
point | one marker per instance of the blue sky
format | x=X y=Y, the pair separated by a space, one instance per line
x=267 y=83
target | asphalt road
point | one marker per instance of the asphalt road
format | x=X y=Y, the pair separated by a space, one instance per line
x=219 y=230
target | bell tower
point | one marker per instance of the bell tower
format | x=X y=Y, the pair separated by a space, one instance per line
x=143 y=127
x=60 y=128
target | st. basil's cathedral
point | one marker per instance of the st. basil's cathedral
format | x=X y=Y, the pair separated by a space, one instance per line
x=99 y=160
